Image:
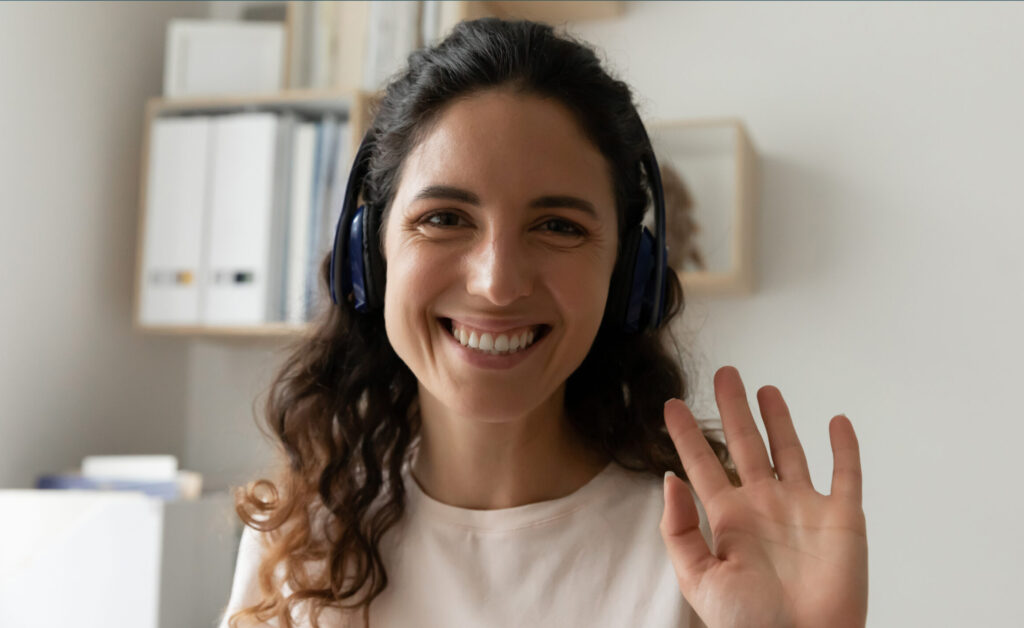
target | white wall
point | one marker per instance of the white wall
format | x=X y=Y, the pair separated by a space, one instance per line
x=890 y=270
x=74 y=379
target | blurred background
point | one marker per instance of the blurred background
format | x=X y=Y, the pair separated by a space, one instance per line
x=875 y=269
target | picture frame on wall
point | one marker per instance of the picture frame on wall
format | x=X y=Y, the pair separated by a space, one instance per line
x=710 y=177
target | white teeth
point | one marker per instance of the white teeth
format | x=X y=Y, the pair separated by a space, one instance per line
x=493 y=344
x=486 y=342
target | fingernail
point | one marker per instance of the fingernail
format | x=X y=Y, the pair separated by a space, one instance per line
x=668 y=473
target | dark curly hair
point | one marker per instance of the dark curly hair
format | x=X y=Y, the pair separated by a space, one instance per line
x=343 y=408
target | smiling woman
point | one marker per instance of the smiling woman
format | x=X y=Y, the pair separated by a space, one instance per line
x=482 y=442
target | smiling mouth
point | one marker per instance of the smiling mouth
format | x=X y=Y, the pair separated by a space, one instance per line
x=495 y=343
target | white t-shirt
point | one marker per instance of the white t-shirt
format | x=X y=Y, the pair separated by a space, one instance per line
x=592 y=558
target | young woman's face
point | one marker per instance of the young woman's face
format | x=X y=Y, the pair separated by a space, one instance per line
x=502 y=232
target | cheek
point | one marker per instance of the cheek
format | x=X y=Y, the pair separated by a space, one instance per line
x=403 y=291
x=412 y=284
x=582 y=290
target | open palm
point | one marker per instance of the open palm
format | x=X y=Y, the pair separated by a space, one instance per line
x=784 y=555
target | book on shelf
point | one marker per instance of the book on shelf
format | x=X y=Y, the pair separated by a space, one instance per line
x=394 y=32
x=156 y=476
x=358 y=45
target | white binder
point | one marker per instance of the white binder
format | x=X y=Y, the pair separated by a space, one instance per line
x=244 y=245
x=175 y=200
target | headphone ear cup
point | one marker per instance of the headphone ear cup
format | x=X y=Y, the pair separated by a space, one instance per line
x=354 y=275
x=373 y=260
x=622 y=280
x=340 y=281
x=638 y=289
x=640 y=311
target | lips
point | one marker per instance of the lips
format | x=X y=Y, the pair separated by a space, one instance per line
x=495 y=341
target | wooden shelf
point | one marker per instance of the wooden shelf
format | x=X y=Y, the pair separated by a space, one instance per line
x=269 y=330
x=355 y=104
x=554 y=12
x=314 y=101
x=718 y=164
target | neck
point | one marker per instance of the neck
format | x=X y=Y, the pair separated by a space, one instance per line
x=485 y=464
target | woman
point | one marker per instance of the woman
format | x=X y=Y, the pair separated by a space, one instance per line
x=482 y=443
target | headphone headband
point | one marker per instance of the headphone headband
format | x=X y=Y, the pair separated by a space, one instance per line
x=661 y=247
x=342 y=279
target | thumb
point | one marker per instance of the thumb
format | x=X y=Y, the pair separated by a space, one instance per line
x=680 y=530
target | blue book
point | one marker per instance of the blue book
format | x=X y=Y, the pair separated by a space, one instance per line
x=163 y=490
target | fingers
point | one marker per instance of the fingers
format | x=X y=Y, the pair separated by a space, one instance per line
x=787 y=452
x=680 y=530
x=741 y=435
x=702 y=466
x=846 y=474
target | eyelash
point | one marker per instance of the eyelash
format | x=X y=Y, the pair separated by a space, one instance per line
x=576 y=232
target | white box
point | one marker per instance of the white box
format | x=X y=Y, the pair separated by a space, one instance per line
x=117 y=559
x=210 y=57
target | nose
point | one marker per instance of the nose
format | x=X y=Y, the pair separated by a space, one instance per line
x=499 y=268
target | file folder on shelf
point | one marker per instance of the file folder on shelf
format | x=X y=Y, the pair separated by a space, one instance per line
x=173 y=238
x=240 y=211
x=246 y=226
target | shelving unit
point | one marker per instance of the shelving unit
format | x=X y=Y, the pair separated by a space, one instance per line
x=718 y=163
x=356 y=103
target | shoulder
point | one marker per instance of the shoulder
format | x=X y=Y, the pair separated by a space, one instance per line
x=642 y=491
x=245 y=589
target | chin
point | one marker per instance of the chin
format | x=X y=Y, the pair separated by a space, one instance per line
x=496 y=404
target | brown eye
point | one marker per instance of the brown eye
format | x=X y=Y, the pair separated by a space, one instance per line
x=442 y=219
x=562 y=227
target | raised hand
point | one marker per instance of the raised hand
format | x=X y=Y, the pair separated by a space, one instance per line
x=784 y=555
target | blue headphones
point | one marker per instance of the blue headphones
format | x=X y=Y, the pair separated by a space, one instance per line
x=636 y=297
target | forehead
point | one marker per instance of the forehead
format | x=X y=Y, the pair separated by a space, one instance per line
x=508 y=147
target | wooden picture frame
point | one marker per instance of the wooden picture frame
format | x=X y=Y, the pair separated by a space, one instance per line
x=717 y=167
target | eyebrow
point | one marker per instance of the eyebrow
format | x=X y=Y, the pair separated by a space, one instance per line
x=449 y=192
